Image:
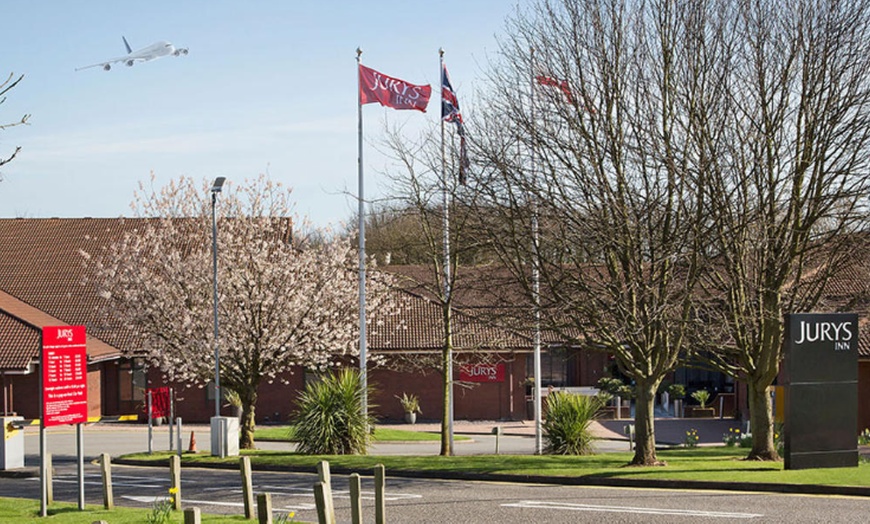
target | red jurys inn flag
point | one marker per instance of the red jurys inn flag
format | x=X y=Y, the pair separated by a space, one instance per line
x=391 y=92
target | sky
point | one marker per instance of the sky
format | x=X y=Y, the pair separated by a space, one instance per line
x=268 y=87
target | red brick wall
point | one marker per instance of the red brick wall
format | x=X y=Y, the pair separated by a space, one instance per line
x=95 y=390
x=494 y=401
x=863 y=395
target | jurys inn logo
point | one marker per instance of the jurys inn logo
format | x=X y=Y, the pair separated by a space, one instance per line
x=838 y=333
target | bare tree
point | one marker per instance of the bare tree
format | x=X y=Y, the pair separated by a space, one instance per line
x=786 y=159
x=6 y=86
x=283 y=302
x=424 y=190
x=598 y=167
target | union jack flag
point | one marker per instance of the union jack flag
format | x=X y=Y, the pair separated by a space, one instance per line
x=450 y=113
x=449 y=102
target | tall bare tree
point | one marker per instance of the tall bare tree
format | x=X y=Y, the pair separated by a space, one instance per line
x=607 y=180
x=6 y=86
x=785 y=153
x=419 y=185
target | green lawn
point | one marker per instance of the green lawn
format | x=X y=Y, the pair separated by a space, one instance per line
x=26 y=510
x=285 y=434
x=720 y=464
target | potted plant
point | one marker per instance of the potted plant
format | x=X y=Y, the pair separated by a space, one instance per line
x=411 y=405
x=702 y=396
x=678 y=393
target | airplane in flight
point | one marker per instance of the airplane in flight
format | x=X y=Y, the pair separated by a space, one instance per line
x=146 y=54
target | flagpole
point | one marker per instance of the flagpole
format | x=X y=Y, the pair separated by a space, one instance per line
x=536 y=277
x=445 y=201
x=362 y=247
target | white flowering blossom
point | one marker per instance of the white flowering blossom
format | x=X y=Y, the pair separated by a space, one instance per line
x=283 y=301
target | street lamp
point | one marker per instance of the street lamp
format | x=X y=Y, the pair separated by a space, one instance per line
x=216 y=188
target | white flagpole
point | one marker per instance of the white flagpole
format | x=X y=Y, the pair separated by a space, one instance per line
x=362 y=248
x=536 y=279
x=446 y=203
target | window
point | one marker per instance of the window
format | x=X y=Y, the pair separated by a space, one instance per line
x=131 y=380
x=554 y=367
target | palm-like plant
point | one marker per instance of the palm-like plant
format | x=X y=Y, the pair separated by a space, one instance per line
x=567 y=424
x=329 y=420
x=702 y=396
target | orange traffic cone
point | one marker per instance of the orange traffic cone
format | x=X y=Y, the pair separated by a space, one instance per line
x=192 y=447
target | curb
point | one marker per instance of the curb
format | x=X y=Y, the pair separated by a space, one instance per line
x=795 y=489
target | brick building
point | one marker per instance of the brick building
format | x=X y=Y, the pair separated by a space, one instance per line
x=41 y=274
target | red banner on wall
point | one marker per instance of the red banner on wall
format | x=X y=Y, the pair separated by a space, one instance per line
x=482 y=373
x=64 y=368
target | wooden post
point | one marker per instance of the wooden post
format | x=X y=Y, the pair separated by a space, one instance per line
x=264 y=508
x=106 y=470
x=49 y=480
x=355 y=501
x=326 y=479
x=380 y=484
x=247 y=486
x=323 y=499
x=192 y=516
x=175 y=481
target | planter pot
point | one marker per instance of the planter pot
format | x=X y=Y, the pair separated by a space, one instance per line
x=410 y=418
x=701 y=412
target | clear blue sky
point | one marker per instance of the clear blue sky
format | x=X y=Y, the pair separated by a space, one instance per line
x=268 y=87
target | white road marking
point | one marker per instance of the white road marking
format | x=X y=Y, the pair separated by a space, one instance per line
x=149 y=500
x=629 y=509
x=364 y=495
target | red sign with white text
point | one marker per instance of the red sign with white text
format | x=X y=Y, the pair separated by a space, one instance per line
x=482 y=373
x=64 y=367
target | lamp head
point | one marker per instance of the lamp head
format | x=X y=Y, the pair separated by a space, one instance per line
x=218 y=184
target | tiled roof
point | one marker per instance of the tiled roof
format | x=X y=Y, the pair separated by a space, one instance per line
x=19 y=343
x=41 y=274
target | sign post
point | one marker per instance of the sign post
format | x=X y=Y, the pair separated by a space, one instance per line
x=64 y=393
x=821 y=397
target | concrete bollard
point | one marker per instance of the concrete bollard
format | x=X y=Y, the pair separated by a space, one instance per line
x=192 y=516
x=106 y=470
x=247 y=486
x=175 y=481
x=497 y=431
x=380 y=485
x=355 y=499
x=264 y=508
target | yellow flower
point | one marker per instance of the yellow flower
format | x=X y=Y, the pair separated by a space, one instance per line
x=173 y=491
x=736 y=431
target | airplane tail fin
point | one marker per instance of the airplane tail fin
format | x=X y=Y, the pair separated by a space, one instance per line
x=126 y=45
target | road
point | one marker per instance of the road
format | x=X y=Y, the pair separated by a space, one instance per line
x=471 y=502
x=411 y=500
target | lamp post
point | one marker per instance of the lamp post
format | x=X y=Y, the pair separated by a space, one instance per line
x=216 y=188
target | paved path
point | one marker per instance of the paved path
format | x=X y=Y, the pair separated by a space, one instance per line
x=517 y=438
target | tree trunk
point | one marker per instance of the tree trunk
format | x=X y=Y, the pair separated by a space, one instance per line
x=761 y=423
x=247 y=422
x=446 y=449
x=644 y=425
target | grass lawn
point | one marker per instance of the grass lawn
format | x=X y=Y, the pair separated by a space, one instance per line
x=720 y=464
x=26 y=510
x=285 y=434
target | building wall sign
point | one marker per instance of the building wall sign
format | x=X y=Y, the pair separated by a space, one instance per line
x=482 y=373
x=821 y=399
x=64 y=368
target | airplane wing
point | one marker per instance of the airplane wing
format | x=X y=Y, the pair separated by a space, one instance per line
x=108 y=63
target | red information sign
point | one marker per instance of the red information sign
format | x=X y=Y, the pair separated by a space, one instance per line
x=482 y=373
x=64 y=366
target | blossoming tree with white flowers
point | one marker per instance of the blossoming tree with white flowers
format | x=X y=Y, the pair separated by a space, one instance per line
x=285 y=299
